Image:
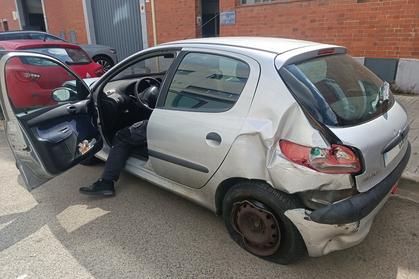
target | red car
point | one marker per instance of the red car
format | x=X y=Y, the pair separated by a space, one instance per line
x=37 y=76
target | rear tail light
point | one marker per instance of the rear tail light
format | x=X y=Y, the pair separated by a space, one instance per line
x=27 y=76
x=337 y=159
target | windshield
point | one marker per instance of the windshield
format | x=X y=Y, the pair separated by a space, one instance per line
x=70 y=56
x=337 y=90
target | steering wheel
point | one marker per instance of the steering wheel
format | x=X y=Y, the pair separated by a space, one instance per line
x=141 y=87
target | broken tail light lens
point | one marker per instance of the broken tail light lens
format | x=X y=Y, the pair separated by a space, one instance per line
x=337 y=159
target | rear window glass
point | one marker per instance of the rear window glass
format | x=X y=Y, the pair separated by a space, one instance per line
x=337 y=90
x=70 y=56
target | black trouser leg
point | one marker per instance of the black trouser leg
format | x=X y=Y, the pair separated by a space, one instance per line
x=118 y=156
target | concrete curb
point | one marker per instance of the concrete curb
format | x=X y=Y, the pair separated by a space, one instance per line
x=402 y=73
x=414 y=178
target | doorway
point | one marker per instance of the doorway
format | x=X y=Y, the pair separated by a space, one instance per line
x=210 y=11
x=5 y=25
x=31 y=15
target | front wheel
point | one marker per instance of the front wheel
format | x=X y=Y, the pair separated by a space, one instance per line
x=253 y=213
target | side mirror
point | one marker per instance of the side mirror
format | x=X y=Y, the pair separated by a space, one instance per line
x=62 y=94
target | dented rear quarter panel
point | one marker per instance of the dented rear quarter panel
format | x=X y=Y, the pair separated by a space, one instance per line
x=255 y=154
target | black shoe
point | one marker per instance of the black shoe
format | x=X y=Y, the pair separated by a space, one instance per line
x=99 y=188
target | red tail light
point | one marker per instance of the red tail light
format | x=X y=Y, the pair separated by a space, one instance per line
x=338 y=159
x=27 y=76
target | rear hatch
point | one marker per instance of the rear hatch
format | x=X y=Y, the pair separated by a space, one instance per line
x=356 y=107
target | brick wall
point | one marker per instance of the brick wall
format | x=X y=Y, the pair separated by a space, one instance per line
x=6 y=9
x=372 y=28
x=175 y=20
x=66 y=16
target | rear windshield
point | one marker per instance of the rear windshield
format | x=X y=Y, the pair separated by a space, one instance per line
x=70 y=56
x=337 y=90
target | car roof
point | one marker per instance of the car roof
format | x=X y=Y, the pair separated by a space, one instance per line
x=25 y=44
x=274 y=45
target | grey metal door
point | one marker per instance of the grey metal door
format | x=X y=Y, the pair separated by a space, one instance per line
x=118 y=24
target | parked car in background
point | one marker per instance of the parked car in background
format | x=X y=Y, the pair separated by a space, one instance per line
x=294 y=143
x=34 y=75
x=104 y=55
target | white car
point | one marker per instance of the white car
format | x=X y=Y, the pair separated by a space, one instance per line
x=294 y=143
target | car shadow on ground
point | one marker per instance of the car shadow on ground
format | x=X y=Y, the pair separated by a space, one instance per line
x=149 y=232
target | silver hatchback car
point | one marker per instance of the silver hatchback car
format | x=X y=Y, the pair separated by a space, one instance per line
x=294 y=143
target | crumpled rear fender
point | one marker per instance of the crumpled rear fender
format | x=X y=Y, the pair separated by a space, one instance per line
x=255 y=154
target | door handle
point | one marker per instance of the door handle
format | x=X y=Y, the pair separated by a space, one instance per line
x=72 y=109
x=214 y=137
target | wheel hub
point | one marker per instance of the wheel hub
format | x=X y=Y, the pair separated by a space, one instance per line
x=105 y=64
x=258 y=227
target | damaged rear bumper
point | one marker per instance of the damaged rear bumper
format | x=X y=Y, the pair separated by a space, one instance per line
x=347 y=223
x=359 y=206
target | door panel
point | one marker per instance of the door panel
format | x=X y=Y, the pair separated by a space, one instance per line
x=179 y=150
x=49 y=123
x=57 y=133
x=205 y=103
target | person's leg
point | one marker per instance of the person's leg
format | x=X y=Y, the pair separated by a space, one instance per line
x=117 y=158
x=126 y=140
x=115 y=163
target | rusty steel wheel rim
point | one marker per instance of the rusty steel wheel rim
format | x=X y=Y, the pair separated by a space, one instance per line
x=258 y=227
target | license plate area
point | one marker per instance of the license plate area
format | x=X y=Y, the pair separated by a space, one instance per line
x=390 y=155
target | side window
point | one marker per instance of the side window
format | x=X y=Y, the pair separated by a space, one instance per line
x=207 y=82
x=34 y=83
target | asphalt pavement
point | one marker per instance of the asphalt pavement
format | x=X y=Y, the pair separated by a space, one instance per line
x=146 y=232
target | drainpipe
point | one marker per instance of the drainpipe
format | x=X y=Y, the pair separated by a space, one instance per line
x=153 y=19
x=45 y=15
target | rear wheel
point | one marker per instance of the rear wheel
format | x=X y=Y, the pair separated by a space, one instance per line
x=253 y=213
x=105 y=61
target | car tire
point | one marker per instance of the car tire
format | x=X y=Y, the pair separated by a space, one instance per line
x=254 y=214
x=91 y=161
x=105 y=61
